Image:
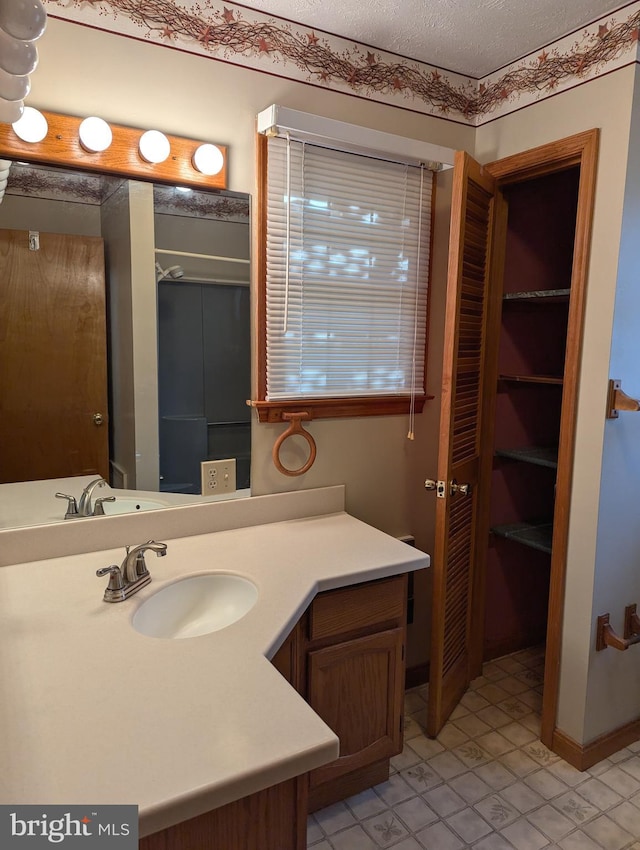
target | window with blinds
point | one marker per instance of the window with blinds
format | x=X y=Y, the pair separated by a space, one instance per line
x=347 y=262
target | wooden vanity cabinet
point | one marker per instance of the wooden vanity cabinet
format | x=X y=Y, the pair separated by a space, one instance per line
x=346 y=658
x=273 y=819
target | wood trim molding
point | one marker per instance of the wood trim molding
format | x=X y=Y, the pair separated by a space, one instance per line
x=582 y=757
x=61 y=147
x=542 y=160
x=335 y=408
x=261 y=267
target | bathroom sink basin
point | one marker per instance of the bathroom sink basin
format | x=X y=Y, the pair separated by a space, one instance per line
x=129 y=505
x=194 y=606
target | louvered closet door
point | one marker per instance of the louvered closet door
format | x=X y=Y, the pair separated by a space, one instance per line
x=460 y=436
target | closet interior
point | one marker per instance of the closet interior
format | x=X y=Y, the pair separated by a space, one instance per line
x=532 y=348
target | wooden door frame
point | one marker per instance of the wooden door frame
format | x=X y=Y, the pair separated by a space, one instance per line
x=580 y=150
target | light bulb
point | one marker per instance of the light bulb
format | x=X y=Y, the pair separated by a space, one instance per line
x=10 y=110
x=154 y=146
x=32 y=127
x=208 y=160
x=13 y=87
x=17 y=57
x=95 y=134
x=23 y=19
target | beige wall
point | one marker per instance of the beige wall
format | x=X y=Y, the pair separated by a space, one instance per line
x=604 y=103
x=613 y=693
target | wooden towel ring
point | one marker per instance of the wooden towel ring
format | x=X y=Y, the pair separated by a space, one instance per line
x=295 y=427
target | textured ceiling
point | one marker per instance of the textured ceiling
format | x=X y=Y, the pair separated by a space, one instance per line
x=472 y=37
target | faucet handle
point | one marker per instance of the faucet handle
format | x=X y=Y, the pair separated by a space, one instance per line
x=98 y=510
x=72 y=505
x=114 y=591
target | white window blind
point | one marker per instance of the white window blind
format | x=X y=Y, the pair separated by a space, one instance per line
x=347 y=265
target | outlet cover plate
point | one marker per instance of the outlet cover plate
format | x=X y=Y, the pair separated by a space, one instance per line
x=218 y=476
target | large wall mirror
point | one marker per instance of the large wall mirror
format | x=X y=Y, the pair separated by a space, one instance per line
x=125 y=342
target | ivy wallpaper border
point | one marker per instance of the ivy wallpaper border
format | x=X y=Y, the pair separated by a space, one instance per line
x=235 y=34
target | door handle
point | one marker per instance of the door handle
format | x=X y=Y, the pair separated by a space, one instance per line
x=98 y=419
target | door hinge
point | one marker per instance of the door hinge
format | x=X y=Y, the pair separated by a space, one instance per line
x=34 y=240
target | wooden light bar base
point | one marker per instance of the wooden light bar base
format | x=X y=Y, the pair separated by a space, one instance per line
x=61 y=147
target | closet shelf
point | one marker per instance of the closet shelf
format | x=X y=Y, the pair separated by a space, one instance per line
x=532 y=379
x=538 y=295
x=538 y=455
x=535 y=535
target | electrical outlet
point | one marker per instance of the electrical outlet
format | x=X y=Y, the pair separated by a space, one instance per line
x=218 y=476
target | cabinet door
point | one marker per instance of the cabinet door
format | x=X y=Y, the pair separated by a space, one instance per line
x=356 y=688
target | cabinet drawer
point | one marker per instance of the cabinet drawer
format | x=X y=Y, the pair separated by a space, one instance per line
x=345 y=610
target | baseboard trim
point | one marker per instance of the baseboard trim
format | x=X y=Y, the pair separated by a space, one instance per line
x=583 y=757
x=416 y=675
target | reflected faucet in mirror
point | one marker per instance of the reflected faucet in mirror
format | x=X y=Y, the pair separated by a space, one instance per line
x=85 y=508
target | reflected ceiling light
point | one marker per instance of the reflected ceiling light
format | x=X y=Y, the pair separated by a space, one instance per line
x=208 y=160
x=10 y=110
x=183 y=189
x=95 y=134
x=17 y=57
x=23 y=19
x=32 y=127
x=154 y=146
x=14 y=87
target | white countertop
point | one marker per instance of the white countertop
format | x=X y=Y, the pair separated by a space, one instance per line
x=93 y=712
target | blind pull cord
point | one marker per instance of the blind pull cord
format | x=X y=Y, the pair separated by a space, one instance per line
x=412 y=403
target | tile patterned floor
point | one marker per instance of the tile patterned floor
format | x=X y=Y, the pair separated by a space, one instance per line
x=487 y=783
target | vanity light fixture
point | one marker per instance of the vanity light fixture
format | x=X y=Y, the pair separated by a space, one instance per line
x=154 y=146
x=5 y=167
x=208 y=159
x=17 y=57
x=23 y=19
x=32 y=127
x=95 y=134
x=14 y=87
x=10 y=110
x=59 y=140
x=21 y=23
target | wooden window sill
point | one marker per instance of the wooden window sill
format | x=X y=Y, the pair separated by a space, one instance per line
x=335 y=408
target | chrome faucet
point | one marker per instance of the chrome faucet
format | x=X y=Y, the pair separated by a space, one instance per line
x=132 y=574
x=84 y=506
